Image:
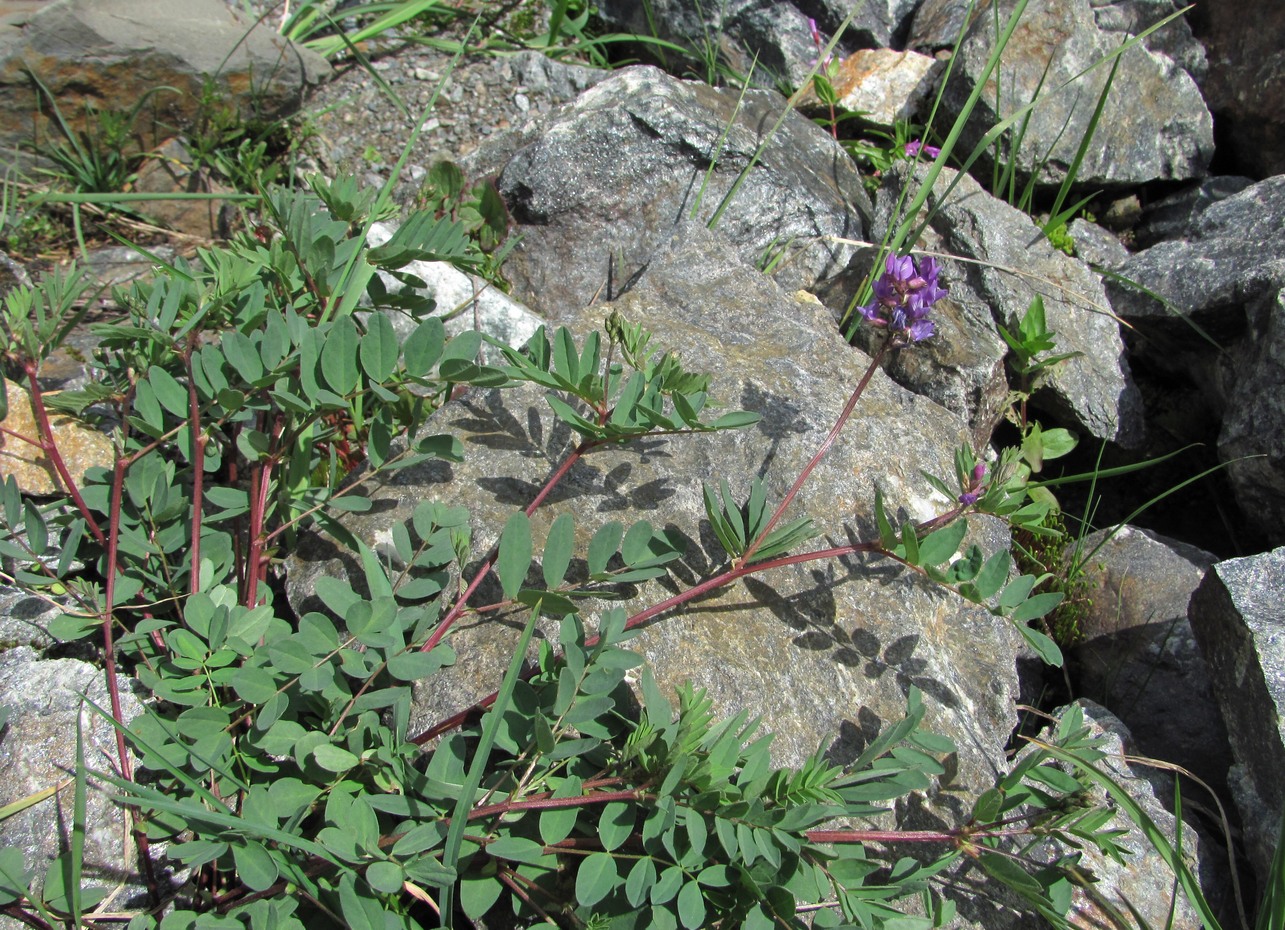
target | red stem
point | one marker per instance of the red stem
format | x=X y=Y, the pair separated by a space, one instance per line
x=50 y=448
x=820 y=453
x=458 y=608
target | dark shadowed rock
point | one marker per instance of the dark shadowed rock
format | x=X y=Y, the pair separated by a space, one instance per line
x=776 y=33
x=1175 y=216
x=615 y=173
x=1239 y=621
x=111 y=53
x=1222 y=328
x=1244 y=87
x=38 y=750
x=1139 y=657
x=1154 y=127
x=825 y=651
x=1007 y=262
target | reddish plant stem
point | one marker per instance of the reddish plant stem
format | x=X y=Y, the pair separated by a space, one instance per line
x=539 y=804
x=50 y=449
x=711 y=584
x=109 y=651
x=260 y=488
x=461 y=604
x=839 y=423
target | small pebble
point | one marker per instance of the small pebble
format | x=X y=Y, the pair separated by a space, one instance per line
x=522 y=102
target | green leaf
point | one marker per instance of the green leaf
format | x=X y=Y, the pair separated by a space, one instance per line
x=379 y=348
x=641 y=878
x=37 y=531
x=339 y=356
x=887 y=535
x=595 y=879
x=941 y=544
x=424 y=347
x=478 y=894
x=514 y=558
x=558 y=546
x=615 y=824
x=255 y=865
x=516 y=849
x=385 y=877
x=334 y=759
x=557 y=823
x=603 y=546
x=691 y=906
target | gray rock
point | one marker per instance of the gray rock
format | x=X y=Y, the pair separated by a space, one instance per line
x=614 y=174
x=1244 y=86
x=1006 y=263
x=1174 y=217
x=24 y=619
x=1221 y=326
x=1143 y=885
x=38 y=751
x=776 y=34
x=1154 y=126
x=1238 y=620
x=1096 y=246
x=466 y=301
x=1138 y=656
x=114 y=52
x=1175 y=39
x=825 y=651
x=937 y=24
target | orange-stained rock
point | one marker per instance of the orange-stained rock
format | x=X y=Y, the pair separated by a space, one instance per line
x=80 y=446
x=882 y=85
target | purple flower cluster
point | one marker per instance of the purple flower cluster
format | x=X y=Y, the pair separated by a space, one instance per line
x=916 y=146
x=903 y=295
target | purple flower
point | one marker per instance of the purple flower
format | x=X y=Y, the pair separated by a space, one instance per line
x=976 y=488
x=903 y=296
x=916 y=146
x=819 y=42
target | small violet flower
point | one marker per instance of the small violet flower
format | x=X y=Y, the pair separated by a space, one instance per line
x=916 y=146
x=976 y=488
x=823 y=63
x=903 y=296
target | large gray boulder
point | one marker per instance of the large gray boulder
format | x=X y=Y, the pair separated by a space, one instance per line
x=112 y=53
x=1238 y=617
x=825 y=651
x=613 y=175
x=1219 y=324
x=1006 y=263
x=1154 y=127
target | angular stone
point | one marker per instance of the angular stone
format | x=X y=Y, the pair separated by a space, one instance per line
x=1007 y=262
x=1143 y=885
x=169 y=170
x=824 y=651
x=1244 y=86
x=615 y=173
x=1154 y=125
x=775 y=38
x=112 y=53
x=1174 y=217
x=81 y=447
x=46 y=702
x=1220 y=327
x=1138 y=656
x=1238 y=619
x=882 y=85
